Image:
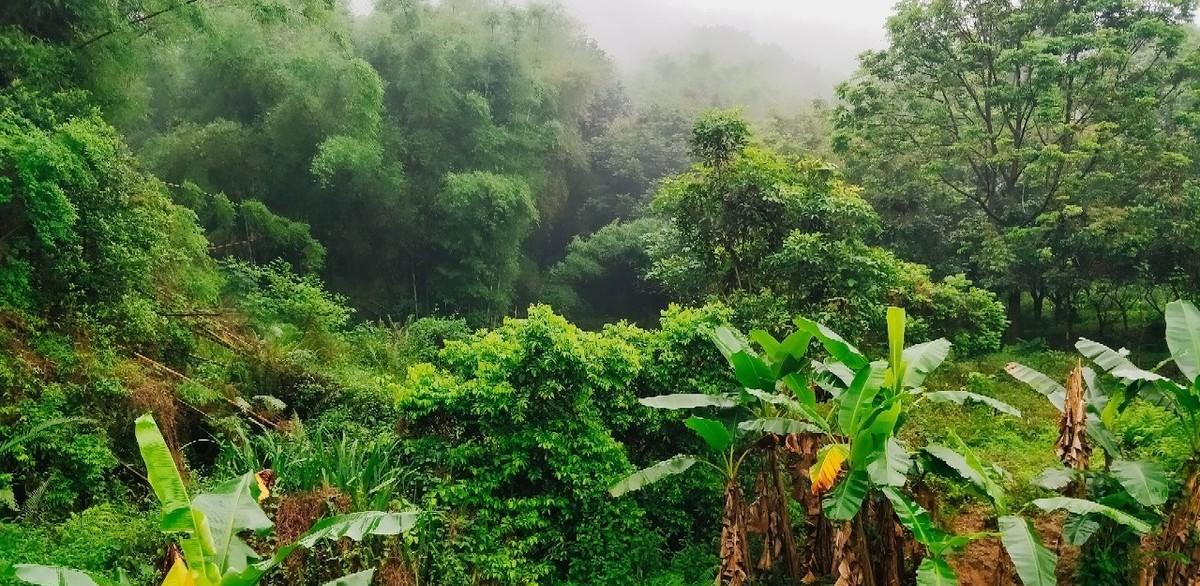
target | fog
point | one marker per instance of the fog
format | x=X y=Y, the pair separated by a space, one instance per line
x=821 y=35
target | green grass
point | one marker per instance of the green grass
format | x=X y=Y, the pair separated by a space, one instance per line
x=1022 y=446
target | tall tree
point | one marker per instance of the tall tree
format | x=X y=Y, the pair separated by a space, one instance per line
x=986 y=122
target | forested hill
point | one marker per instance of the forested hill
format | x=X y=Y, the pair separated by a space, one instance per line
x=414 y=292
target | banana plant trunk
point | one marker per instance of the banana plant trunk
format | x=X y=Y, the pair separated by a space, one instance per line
x=734 y=550
x=818 y=546
x=1180 y=537
x=886 y=542
x=851 y=560
x=769 y=517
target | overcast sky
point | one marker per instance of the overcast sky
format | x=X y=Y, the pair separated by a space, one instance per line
x=828 y=34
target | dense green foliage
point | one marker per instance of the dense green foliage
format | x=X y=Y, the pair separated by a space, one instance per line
x=273 y=274
x=1043 y=148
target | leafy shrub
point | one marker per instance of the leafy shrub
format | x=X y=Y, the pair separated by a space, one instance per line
x=512 y=424
x=104 y=538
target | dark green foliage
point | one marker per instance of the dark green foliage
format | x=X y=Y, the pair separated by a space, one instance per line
x=484 y=218
x=628 y=158
x=99 y=539
x=250 y=231
x=600 y=280
x=83 y=229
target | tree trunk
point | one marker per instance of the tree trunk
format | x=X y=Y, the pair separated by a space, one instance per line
x=848 y=556
x=1039 y=305
x=1014 y=314
x=818 y=545
x=1180 y=537
x=769 y=517
x=886 y=543
x=734 y=554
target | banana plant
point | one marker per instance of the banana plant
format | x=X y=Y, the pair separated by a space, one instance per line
x=867 y=411
x=1134 y=487
x=1034 y=562
x=1177 y=560
x=209 y=527
x=860 y=423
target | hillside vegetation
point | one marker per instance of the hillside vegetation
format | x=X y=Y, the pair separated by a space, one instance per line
x=440 y=295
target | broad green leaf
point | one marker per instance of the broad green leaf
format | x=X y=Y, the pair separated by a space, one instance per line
x=1145 y=481
x=956 y=462
x=231 y=508
x=801 y=391
x=890 y=468
x=837 y=347
x=51 y=575
x=772 y=398
x=688 y=401
x=752 y=372
x=713 y=432
x=354 y=526
x=778 y=426
x=1180 y=398
x=1078 y=529
x=990 y=486
x=795 y=345
x=1100 y=434
x=936 y=572
x=839 y=371
x=1183 y=337
x=767 y=342
x=1113 y=362
x=863 y=449
x=1095 y=396
x=916 y=519
x=967 y=465
x=1033 y=561
x=652 y=474
x=884 y=417
x=962 y=397
x=362 y=578
x=1054 y=478
x=1104 y=357
x=1085 y=507
x=1041 y=383
x=922 y=359
x=856 y=403
x=727 y=341
x=178 y=514
x=895 y=330
x=844 y=501
x=806 y=408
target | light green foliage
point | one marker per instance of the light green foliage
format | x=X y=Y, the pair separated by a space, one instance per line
x=514 y=419
x=85 y=230
x=290 y=309
x=99 y=539
x=784 y=236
